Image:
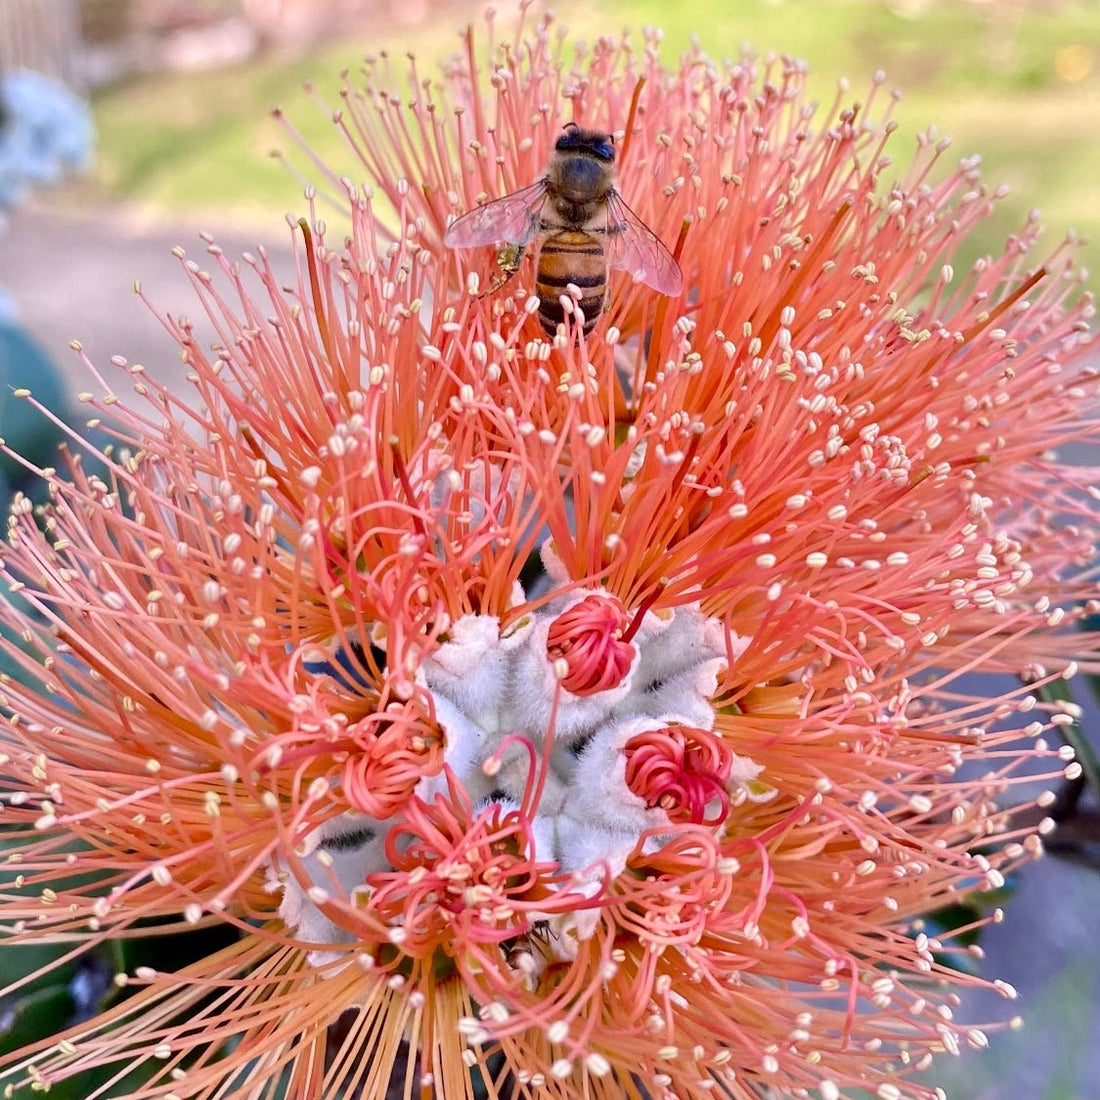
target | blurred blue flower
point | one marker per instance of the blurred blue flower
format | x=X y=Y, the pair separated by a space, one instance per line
x=47 y=131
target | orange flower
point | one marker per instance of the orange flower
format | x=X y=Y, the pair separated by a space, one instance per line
x=583 y=713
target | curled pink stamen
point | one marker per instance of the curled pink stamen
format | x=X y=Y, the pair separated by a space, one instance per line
x=589 y=638
x=387 y=755
x=681 y=770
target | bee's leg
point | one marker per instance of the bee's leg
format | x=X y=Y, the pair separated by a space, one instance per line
x=499 y=280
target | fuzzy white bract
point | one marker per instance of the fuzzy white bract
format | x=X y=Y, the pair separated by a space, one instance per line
x=518 y=739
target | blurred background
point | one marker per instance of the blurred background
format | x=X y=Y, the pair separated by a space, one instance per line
x=180 y=93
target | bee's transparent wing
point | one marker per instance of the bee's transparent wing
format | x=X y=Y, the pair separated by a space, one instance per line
x=513 y=218
x=634 y=248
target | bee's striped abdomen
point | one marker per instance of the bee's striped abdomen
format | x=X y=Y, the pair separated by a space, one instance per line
x=571 y=256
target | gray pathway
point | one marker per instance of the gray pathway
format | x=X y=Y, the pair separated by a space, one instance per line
x=72 y=279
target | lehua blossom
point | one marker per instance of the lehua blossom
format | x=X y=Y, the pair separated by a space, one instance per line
x=567 y=717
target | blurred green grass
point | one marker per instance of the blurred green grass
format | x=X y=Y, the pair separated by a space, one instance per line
x=1017 y=81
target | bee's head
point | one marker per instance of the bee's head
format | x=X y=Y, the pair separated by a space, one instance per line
x=594 y=143
x=582 y=168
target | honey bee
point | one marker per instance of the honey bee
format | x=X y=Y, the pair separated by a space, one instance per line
x=583 y=228
x=527 y=953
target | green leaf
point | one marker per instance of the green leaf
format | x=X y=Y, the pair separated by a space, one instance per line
x=1059 y=691
x=23 y=364
x=42 y=1012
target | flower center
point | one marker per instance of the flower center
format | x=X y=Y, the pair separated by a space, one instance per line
x=588 y=638
x=555 y=751
x=683 y=771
